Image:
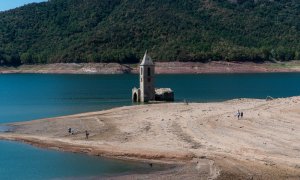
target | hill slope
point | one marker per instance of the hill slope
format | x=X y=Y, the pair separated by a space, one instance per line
x=121 y=30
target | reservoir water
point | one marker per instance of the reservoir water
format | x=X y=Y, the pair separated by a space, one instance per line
x=21 y=161
x=33 y=96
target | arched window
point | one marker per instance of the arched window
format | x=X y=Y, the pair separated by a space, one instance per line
x=149 y=72
x=135 y=97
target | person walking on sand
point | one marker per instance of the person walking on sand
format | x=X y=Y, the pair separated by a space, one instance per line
x=242 y=114
x=87 y=134
x=238 y=114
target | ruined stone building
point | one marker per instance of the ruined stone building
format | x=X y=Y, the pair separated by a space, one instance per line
x=147 y=91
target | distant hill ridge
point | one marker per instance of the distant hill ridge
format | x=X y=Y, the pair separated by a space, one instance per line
x=171 y=30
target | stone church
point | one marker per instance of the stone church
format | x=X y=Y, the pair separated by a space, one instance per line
x=147 y=91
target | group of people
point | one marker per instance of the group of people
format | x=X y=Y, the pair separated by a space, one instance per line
x=71 y=131
x=239 y=114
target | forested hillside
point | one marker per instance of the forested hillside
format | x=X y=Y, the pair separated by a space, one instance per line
x=171 y=30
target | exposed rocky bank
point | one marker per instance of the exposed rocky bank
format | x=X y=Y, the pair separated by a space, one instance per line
x=161 y=68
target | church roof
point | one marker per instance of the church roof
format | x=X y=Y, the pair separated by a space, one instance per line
x=147 y=61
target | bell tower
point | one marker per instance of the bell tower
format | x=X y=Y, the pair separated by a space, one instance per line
x=147 y=79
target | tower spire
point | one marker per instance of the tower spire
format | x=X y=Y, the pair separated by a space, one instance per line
x=147 y=61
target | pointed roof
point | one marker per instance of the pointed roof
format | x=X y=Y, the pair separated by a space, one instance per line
x=147 y=61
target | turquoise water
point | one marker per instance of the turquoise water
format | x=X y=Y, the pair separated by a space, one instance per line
x=21 y=161
x=31 y=96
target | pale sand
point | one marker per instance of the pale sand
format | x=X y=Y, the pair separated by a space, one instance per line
x=206 y=139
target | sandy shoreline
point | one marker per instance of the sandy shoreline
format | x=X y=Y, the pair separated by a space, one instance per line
x=205 y=139
x=161 y=68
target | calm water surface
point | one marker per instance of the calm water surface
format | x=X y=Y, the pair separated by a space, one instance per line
x=21 y=161
x=29 y=96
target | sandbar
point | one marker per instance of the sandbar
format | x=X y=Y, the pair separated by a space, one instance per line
x=204 y=140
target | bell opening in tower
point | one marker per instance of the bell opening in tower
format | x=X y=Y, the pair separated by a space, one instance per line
x=149 y=71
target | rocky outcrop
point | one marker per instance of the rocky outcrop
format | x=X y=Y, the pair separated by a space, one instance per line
x=164 y=94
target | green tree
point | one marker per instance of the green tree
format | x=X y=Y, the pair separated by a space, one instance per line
x=26 y=58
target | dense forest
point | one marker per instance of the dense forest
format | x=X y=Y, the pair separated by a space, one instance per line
x=172 y=30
